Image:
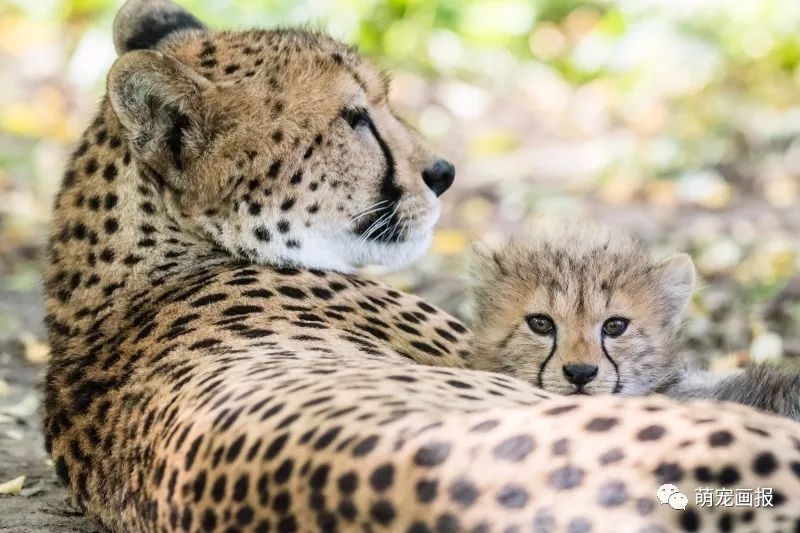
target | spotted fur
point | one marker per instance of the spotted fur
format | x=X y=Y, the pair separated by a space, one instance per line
x=217 y=366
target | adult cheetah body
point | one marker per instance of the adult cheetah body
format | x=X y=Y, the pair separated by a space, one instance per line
x=195 y=387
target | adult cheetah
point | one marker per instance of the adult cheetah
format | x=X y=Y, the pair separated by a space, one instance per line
x=217 y=365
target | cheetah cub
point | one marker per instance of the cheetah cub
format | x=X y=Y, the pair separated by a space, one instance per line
x=576 y=308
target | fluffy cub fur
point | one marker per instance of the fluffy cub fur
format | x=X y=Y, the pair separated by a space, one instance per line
x=581 y=309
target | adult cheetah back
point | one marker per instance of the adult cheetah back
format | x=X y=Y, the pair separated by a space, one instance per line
x=216 y=367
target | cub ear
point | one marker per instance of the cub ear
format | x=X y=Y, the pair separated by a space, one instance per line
x=484 y=264
x=159 y=102
x=676 y=277
x=484 y=268
x=142 y=24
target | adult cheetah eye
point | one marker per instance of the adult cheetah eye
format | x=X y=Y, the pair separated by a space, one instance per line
x=615 y=326
x=541 y=324
x=356 y=116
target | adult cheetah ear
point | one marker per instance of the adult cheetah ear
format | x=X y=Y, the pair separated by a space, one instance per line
x=676 y=280
x=143 y=24
x=160 y=103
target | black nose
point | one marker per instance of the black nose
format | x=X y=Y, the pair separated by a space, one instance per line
x=579 y=373
x=439 y=176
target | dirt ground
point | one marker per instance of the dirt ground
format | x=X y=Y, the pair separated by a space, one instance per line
x=43 y=504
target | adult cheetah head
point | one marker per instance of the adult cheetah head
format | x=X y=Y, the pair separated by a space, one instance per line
x=280 y=146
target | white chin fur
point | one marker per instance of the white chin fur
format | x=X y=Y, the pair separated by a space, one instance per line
x=342 y=252
x=346 y=254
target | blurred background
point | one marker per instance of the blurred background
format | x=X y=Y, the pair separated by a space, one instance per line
x=676 y=119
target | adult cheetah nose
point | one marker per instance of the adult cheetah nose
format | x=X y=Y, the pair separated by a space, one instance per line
x=439 y=176
x=580 y=373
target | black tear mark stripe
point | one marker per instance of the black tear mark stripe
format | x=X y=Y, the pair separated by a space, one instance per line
x=155 y=27
x=547 y=359
x=390 y=192
x=617 y=385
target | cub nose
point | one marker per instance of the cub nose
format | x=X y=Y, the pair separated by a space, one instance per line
x=580 y=373
x=439 y=176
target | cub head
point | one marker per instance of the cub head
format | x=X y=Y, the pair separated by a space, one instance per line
x=579 y=309
x=280 y=146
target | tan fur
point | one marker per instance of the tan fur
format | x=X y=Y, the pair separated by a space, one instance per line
x=206 y=379
x=580 y=275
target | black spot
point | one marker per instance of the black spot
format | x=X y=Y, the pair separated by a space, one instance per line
x=244 y=515
x=236 y=310
x=91 y=166
x=765 y=464
x=110 y=172
x=704 y=474
x=720 y=438
x=319 y=477
x=690 y=520
x=382 y=477
x=111 y=225
x=209 y=299
x=218 y=488
x=611 y=456
x=432 y=454
x=254 y=209
x=274 y=169
x=79 y=231
x=512 y=497
x=235 y=449
x=463 y=492
x=209 y=520
x=601 y=424
x=275 y=447
x=514 y=448
x=326 y=438
x=728 y=476
x=555 y=411
x=566 y=477
x=348 y=483
x=612 y=494
x=382 y=512
x=107 y=255
x=365 y=446
x=653 y=432
x=296 y=178
x=111 y=201
x=240 y=488
x=284 y=471
x=283 y=226
x=262 y=234
x=668 y=472
x=426 y=490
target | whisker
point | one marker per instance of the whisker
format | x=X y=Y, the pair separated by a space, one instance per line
x=369 y=210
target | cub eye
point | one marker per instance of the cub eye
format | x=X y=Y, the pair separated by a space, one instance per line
x=615 y=326
x=541 y=324
x=356 y=116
